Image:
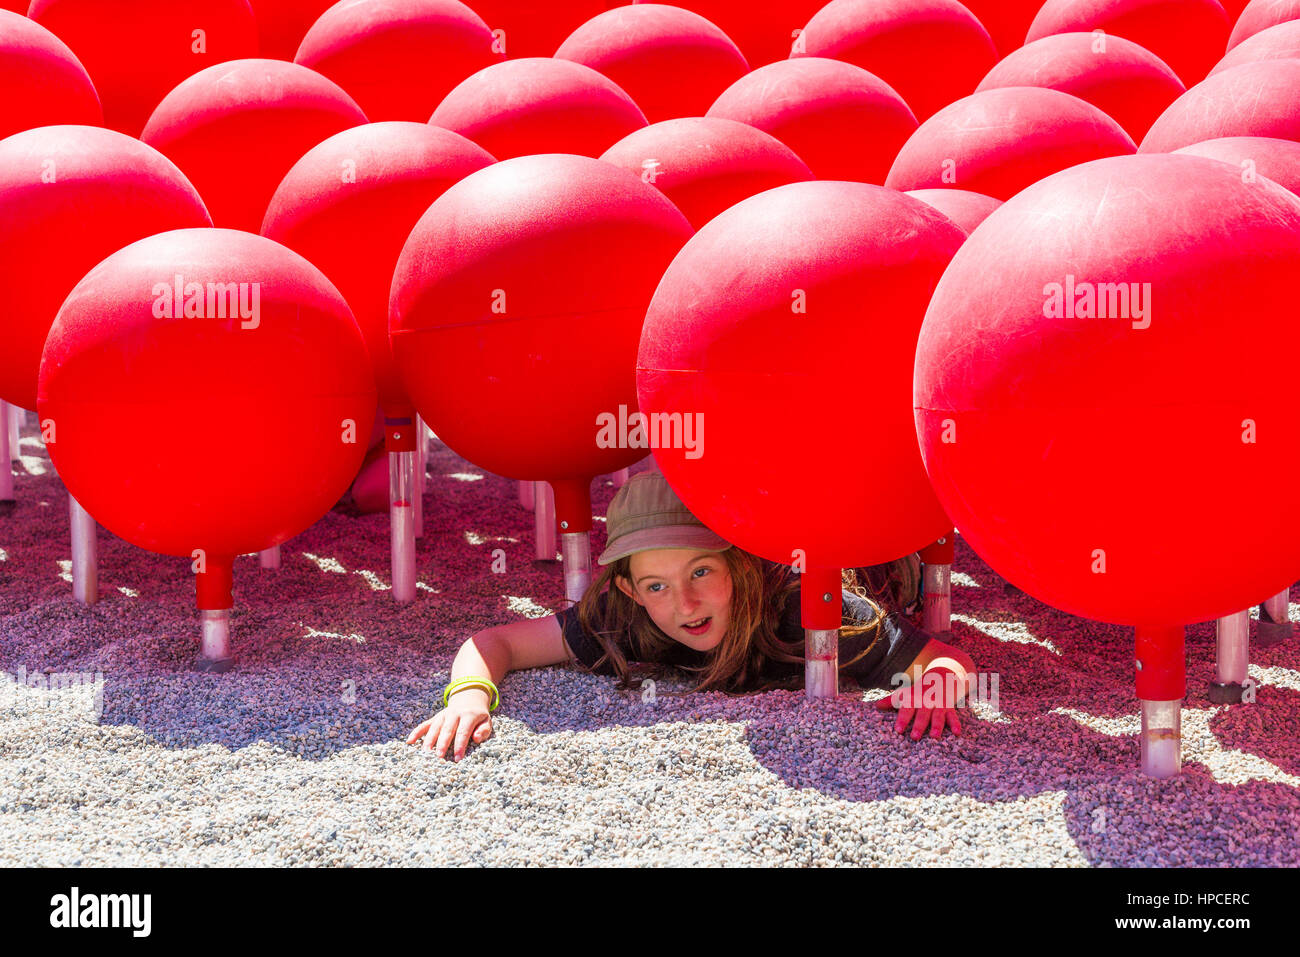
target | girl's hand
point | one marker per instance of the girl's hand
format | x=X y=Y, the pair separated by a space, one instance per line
x=933 y=704
x=466 y=717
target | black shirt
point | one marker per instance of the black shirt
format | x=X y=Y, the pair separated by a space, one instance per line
x=897 y=647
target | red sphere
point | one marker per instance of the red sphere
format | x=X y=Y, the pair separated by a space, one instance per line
x=963 y=207
x=1129 y=84
x=398 y=58
x=539 y=105
x=764 y=32
x=1281 y=42
x=1254 y=99
x=528 y=28
x=352 y=227
x=1188 y=35
x=931 y=51
x=788 y=319
x=69 y=196
x=281 y=24
x=236 y=128
x=670 y=61
x=137 y=50
x=844 y=122
x=257 y=419
x=516 y=309
x=41 y=82
x=1007 y=21
x=1259 y=15
x=1000 y=141
x=707 y=164
x=1279 y=160
x=1104 y=392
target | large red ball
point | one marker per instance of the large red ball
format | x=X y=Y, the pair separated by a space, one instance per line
x=1188 y=35
x=256 y=419
x=236 y=128
x=963 y=207
x=1254 y=99
x=764 y=32
x=517 y=306
x=1278 y=160
x=137 y=50
x=844 y=122
x=69 y=196
x=786 y=324
x=348 y=207
x=707 y=164
x=41 y=82
x=670 y=61
x=1129 y=84
x=931 y=51
x=1000 y=141
x=1122 y=451
x=539 y=105
x=1259 y=15
x=398 y=58
x=1281 y=42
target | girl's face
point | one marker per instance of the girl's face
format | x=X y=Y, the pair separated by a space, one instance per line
x=687 y=593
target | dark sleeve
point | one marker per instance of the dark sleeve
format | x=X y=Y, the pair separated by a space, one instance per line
x=897 y=643
x=586 y=648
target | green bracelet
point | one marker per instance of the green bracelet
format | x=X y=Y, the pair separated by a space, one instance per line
x=472 y=681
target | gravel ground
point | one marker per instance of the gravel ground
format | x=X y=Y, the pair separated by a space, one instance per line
x=297 y=756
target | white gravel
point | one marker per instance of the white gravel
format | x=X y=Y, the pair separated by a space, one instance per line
x=297 y=757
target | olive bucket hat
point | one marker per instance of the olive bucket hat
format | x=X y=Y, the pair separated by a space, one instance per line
x=646 y=513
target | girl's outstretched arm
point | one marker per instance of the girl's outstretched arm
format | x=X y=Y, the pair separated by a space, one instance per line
x=492 y=654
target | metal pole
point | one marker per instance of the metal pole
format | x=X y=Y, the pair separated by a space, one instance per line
x=936 y=584
x=526 y=495
x=85 y=571
x=17 y=419
x=821 y=603
x=6 y=465
x=544 y=521
x=1161 y=686
x=419 y=463
x=1274 y=619
x=269 y=557
x=401 y=517
x=214 y=597
x=576 y=554
x=1232 y=654
x=620 y=477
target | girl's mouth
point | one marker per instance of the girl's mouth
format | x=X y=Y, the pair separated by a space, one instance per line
x=699 y=626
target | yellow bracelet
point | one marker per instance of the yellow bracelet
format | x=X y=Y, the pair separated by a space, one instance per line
x=473 y=681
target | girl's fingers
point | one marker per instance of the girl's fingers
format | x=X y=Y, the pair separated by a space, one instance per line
x=418 y=732
x=462 y=736
x=923 y=716
x=904 y=716
x=431 y=731
x=484 y=731
x=446 y=735
x=953 y=721
x=938 y=721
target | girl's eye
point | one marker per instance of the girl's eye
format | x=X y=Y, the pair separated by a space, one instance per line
x=654 y=589
x=702 y=568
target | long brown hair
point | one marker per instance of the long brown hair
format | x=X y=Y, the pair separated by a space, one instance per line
x=760 y=590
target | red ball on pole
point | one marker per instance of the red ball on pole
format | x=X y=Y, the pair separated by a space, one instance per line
x=844 y=122
x=1129 y=84
x=524 y=286
x=1278 y=160
x=137 y=50
x=931 y=51
x=539 y=105
x=1281 y=42
x=231 y=342
x=707 y=164
x=670 y=61
x=398 y=58
x=1133 y=310
x=70 y=196
x=236 y=128
x=1000 y=141
x=41 y=82
x=1254 y=99
x=1188 y=35
x=764 y=32
x=761 y=327
x=1259 y=15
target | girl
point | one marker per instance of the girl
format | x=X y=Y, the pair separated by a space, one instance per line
x=684 y=597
